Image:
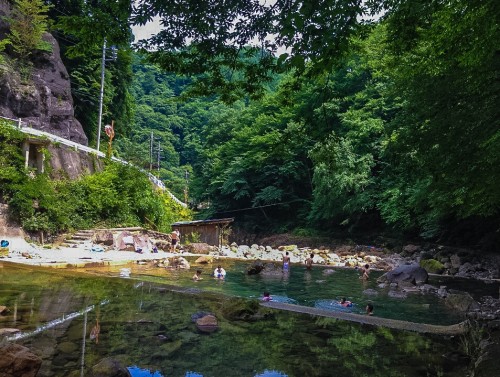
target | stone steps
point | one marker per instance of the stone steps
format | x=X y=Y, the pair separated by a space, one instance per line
x=85 y=237
x=78 y=238
x=74 y=242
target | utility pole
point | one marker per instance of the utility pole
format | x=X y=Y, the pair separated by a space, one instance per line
x=186 y=176
x=159 y=150
x=151 y=152
x=101 y=95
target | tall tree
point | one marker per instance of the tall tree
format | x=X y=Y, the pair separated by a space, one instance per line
x=446 y=65
x=81 y=27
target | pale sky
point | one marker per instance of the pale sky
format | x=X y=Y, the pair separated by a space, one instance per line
x=146 y=31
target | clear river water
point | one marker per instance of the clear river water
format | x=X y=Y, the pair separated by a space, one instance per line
x=145 y=322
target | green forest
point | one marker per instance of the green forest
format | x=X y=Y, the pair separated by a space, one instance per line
x=339 y=118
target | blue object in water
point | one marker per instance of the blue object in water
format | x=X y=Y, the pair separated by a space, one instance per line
x=193 y=374
x=271 y=373
x=4 y=243
x=135 y=371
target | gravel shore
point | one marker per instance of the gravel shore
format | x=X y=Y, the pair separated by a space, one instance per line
x=23 y=252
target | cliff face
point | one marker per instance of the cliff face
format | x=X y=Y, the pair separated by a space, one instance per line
x=44 y=99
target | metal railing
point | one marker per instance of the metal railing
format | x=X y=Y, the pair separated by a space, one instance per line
x=25 y=128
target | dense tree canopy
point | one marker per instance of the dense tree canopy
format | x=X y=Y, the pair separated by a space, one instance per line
x=334 y=115
x=233 y=46
x=394 y=123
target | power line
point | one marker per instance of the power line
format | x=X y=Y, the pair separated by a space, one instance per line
x=267 y=205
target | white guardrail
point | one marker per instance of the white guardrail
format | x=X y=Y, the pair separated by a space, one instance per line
x=23 y=127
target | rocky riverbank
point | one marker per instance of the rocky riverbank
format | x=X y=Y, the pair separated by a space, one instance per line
x=435 y=259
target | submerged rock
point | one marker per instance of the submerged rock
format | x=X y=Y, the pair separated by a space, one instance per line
x=255 y=268
x=241 y=309
x=109 y=367
x=272 y=269
x=461 y=301
x=207 y=324
x=198 y=315
x=16 y=360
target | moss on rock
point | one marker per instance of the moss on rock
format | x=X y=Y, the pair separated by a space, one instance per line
x=433 y=266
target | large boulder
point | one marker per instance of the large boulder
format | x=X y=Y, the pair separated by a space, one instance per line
x=272 y=269
x=432 y=265
x=125 y=241
x=162 y=245
x=461 y=301
x=179 y=262
x=197 y=248
x=18 y=361
x=412 y=273
x=104 y=237
x=255 y=268
x=204 y=259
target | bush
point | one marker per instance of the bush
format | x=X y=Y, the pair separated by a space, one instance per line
x=117 y=196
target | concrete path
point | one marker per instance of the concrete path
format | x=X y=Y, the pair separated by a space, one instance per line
x=371 y=320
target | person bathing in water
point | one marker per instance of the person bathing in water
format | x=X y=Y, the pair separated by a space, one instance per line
x=365 y=272
x=309 y=261
x=267 y=297
x=219 y=272
x=197 y=275
x=369 y=309
x=345 y=303
x=286 y=261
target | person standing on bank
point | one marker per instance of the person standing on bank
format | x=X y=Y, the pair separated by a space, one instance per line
x=176 y=239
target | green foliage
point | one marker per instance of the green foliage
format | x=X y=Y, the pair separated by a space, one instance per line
x=472 y=338
x=192 y=237
x=3 y=44
x=28 y=24
x=447 y=133
x=392 y=125
x=117 y=196
x=232 y=49
x=11 y=160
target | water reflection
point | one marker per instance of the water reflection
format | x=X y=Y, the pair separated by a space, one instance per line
x=149 y=328
x=271 y=373
x=135 y=371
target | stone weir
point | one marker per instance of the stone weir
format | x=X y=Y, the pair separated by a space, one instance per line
x=456 y=329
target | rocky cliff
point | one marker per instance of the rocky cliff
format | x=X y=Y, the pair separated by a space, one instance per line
x=43 y=99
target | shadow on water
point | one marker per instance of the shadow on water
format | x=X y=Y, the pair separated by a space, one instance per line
x=148 y=328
